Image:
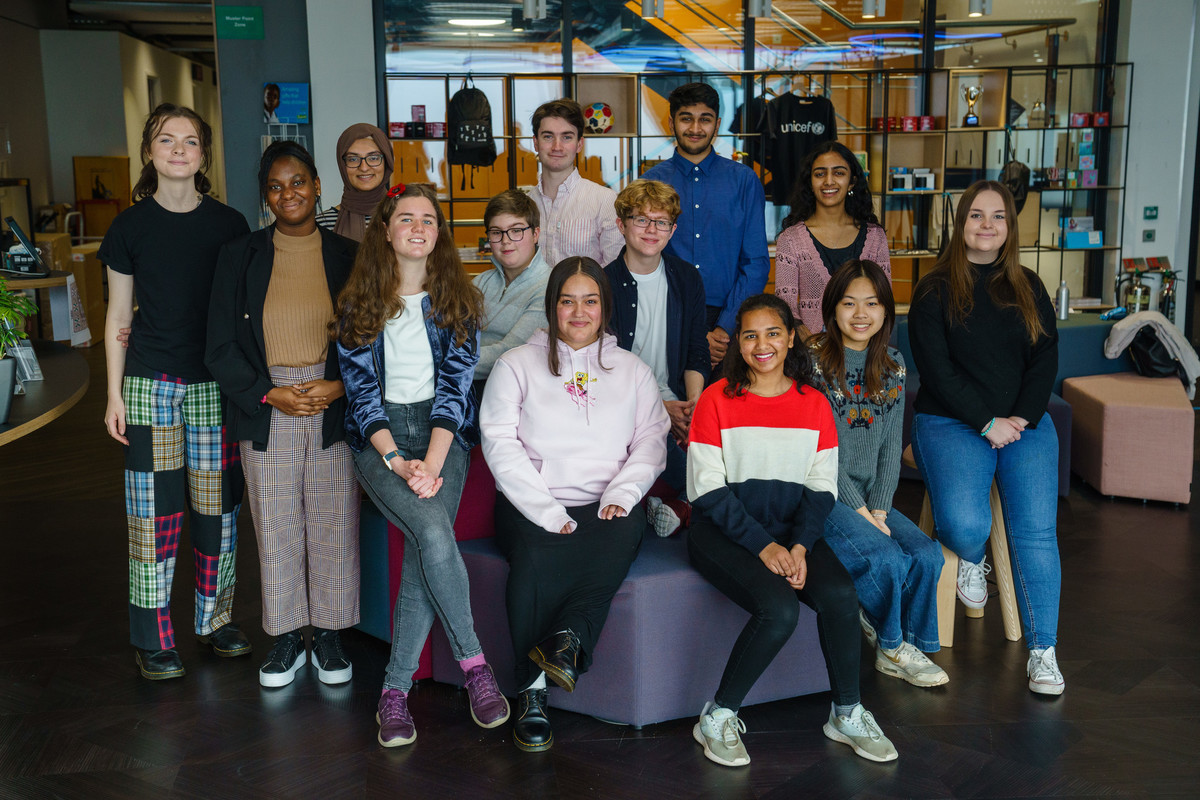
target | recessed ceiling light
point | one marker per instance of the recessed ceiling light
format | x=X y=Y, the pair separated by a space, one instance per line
x=485 y=33
x=475 y=23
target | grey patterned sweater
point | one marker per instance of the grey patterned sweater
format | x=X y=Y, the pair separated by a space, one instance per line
x=869 y=433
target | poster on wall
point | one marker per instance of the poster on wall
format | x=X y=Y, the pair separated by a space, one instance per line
x=285 y=102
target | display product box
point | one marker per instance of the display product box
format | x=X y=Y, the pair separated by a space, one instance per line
x=435 y=130
x=1101 y=119
x=1087 y=137
x=1073 y=179
x=1089 y=178
x=1076 y=240
x=1080 y=119
x=397 y=130
x=886 y=123
x=1087 y=162
x=418 y=113
x=926 y=123
x=923 y=179
x=909 y=124
x=1085 y=148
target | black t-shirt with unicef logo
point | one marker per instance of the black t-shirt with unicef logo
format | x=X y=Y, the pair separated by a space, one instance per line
x=172 y=257
x=791 y=128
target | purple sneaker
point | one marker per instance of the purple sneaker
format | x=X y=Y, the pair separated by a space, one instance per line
x=395 y=723
x=489 y=708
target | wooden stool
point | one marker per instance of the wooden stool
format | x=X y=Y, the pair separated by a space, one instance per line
x=947 y=592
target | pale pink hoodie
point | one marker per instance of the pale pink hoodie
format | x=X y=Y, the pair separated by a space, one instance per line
x=589 y=434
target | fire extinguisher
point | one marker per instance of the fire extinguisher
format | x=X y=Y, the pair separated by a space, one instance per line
x=1166 y=298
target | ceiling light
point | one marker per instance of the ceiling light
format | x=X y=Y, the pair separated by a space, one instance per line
x=518 y=20
x=980 y=8
x=874 y=8
x=533 y=9
x=760 y=8
x=475 y=23
x=653 y=9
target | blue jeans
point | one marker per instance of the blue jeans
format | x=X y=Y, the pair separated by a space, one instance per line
x=895 y=576
x=433 y=579
x=959 y=465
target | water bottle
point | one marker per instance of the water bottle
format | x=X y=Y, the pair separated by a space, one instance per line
x=1064 y=301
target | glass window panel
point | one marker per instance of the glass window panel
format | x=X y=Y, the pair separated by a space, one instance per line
x=834 y=34
x=1018 y=32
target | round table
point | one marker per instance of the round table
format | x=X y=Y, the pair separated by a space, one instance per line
x=67 y=378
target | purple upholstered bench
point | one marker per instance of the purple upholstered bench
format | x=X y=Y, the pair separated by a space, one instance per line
x=662 y=650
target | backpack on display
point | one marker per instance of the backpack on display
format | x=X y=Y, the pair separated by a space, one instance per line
x=469 y=120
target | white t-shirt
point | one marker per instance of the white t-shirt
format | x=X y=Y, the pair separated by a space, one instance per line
x=650 y=333
x=406 y=351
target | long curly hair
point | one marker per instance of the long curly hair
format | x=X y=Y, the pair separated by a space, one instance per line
x=828 y=345
x=953 y=275
x=147 y=183
x=371 y=295
x=804 y=201
x=797 y=365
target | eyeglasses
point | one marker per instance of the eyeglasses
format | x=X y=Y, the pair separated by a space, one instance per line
x=646 y=222
x=373 y=159
x=513 y=234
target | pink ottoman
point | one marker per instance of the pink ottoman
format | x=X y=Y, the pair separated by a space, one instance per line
x=1132 y=436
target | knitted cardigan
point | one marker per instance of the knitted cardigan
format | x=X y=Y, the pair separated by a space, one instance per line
x=801 y=276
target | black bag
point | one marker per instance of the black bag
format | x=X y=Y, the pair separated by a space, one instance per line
x=1015 y=176
x=469 y=123
x=1151 y=358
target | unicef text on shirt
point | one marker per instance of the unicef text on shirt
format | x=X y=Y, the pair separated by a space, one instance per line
x=802 y=127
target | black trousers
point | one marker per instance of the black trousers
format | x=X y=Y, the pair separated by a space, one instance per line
x=558 y=582
x=774 y=608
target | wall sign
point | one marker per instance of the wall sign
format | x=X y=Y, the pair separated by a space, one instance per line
x=239 y=22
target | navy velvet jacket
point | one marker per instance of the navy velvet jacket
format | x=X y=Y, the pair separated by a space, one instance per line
x=454 y=405
x=687 y=325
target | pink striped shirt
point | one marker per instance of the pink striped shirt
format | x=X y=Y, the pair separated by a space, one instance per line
x=580 y=221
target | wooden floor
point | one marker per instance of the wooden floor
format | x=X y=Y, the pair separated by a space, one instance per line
x=76 y=721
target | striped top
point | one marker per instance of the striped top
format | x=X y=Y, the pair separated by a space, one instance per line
x=327 y=218
x=763 y=469
x=579 y=221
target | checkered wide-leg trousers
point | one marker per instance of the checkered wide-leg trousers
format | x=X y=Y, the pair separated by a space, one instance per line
x=177 y=459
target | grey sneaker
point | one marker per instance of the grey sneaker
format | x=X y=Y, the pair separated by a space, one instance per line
x=662 y=517
x=720 y=735
x=1044 y=675
x=910 y=664
x=867 y=628
x=972 y=582
x=862 y=733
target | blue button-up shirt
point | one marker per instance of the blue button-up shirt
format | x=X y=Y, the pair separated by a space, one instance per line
x=721 y=230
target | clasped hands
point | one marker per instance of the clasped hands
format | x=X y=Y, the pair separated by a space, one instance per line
x=420 y=476
x=791 y=564
x=1005 y=431
x=305 y=399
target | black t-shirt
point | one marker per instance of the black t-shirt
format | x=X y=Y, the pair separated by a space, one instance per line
x=834 y=257
x=172 y=257
x=791 y=128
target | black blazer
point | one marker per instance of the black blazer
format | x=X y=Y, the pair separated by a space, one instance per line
x=236 y=351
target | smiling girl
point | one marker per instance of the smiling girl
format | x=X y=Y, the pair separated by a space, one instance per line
x=832 y=221
x=762 y=471
x=894 y=565
x=365 y=159
x=407 y=346
x=163 y=404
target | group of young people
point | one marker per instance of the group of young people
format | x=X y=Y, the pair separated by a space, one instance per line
x=620 y=338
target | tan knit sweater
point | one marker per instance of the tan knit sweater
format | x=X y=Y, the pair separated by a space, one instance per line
x=298 y=306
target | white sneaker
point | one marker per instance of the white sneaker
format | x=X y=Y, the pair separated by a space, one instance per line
x=972 y=582
x=861 y=732
x=1043 y=672
x=662 y=517
x=867 y=628
x=910 y=664
x=720 y=735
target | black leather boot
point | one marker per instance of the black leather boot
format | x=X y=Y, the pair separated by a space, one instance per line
x=158 y=665
x=556 y=657
x=531 y=731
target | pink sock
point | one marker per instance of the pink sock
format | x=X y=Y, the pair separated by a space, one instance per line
x=471 y=663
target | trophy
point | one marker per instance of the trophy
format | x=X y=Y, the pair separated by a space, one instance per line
x=971 y=94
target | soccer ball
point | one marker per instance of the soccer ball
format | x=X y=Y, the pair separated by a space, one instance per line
x=598 y=117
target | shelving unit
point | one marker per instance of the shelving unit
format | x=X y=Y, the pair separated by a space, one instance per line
x=956 y=155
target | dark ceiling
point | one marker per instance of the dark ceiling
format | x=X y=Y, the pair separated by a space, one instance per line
x=184 y=27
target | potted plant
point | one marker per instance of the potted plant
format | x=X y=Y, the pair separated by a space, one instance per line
x=14 y=309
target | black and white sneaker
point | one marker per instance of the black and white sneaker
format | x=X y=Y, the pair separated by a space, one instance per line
x=331 y=661
x=284 y=661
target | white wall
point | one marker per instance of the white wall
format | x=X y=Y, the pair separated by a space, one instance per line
x=1159 y=37
x=341 y=55
x=81 y=72
x=23 y=109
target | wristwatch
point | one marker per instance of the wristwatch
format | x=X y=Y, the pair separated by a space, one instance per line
x=387 y=459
